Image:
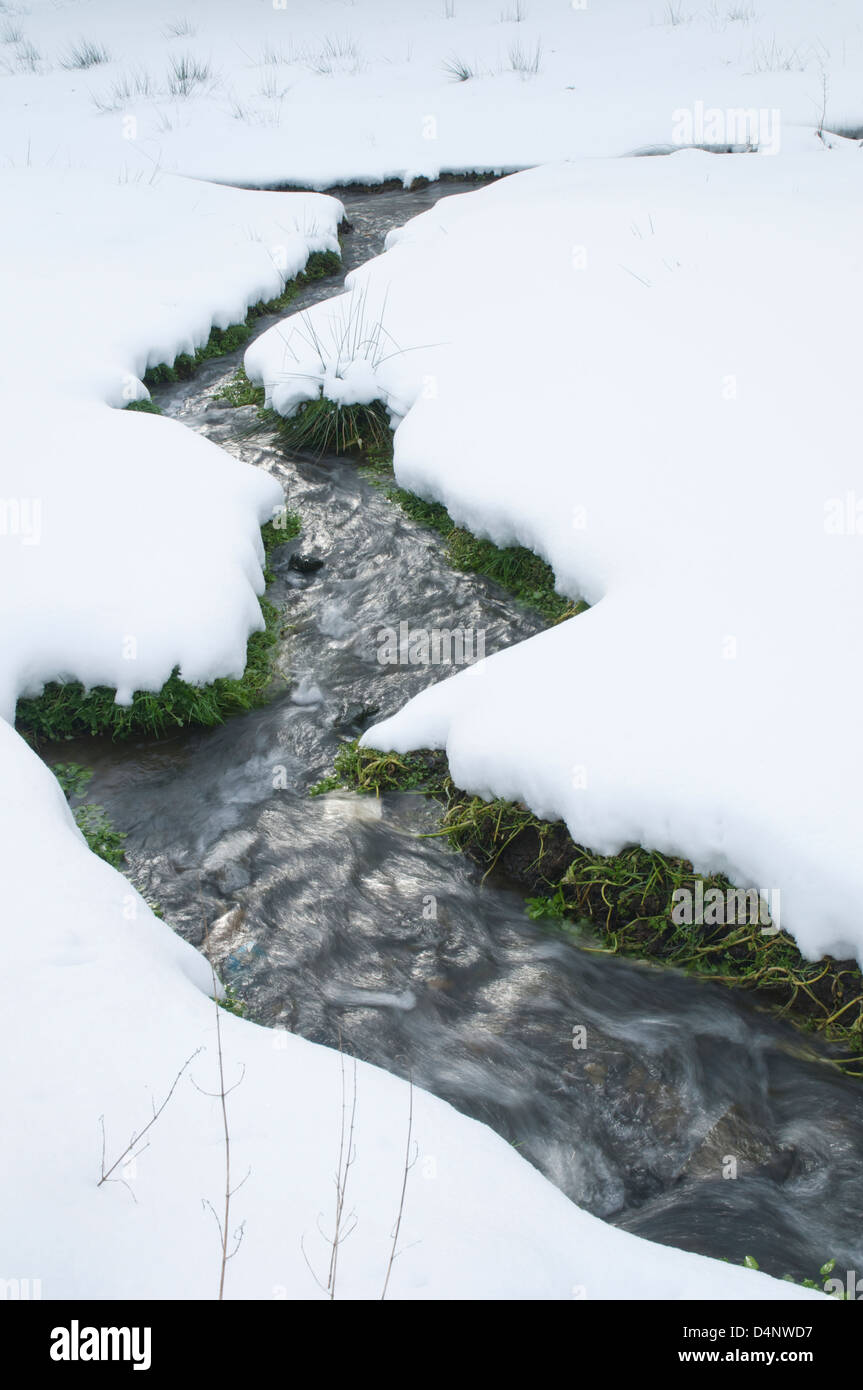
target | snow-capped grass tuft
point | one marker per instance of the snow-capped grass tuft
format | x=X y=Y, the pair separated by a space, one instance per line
x=741 y=13
x=180 y=29
x=449 y=9
x=187 y=74
x=136 y=85
x=524 y=60
x=85 y=54
x=514 y=14
x=11 y=33
x=675 y=14
x=339 y=54
x=458 y=69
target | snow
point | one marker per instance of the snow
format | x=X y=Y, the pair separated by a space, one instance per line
x=100 y=280
x=314 y=93
x=128 y=545
x=650 y=382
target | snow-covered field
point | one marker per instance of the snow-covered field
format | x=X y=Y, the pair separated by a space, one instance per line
x=321 y=91
x=648 y=367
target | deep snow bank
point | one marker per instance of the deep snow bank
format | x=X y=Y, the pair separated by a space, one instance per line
x=105 y=1006
x=645 y=370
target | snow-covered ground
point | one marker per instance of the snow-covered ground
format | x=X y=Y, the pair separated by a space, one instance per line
x=647 y=368
x=319 y=91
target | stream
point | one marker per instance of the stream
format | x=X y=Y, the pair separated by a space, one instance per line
x=332 y=918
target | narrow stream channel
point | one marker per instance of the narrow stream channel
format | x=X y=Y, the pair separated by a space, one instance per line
x=331 y=917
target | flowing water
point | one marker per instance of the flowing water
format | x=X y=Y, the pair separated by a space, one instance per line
x=333 y=916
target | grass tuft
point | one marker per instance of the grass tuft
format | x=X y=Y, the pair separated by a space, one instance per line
x=240 y=391
x=180 y=29
x=458 y=69
x=85 y=54
x=186 y=74
x=337 y=54
x=525 y=61
x=27 y=56
x=366 y=770
x=132 y=86
x=323 y=426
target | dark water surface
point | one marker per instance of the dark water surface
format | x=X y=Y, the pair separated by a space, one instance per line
x=331 y=915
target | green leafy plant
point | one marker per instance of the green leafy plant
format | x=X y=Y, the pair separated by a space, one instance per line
x=92 y=820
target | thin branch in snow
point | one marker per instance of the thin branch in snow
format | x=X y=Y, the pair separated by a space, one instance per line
x=409 y=1163
x=131 y=1150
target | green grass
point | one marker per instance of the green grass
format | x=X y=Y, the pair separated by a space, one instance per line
x=66 y=710
x=366 y=770
x=624 y=899
x=240 y=391
x=323 y=427
x=147 y=406
x=231 y=1002
x=225 y=340
x=92 y=820
x=527 y=577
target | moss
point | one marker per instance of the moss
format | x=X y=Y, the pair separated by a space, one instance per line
x=67 y=710
x=626 y=899
x=225 y=340
x=147 y=406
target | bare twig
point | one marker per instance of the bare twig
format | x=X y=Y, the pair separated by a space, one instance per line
x=409 y=1163
x=130 y=1149
x=346 y=1160
x=223 y=1222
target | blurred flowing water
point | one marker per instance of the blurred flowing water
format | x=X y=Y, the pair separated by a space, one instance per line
x=332 y=916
